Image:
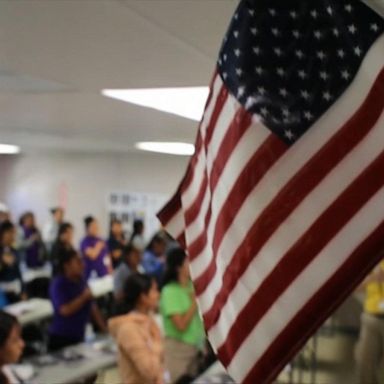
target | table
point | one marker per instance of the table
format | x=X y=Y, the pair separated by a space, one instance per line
x=72 y=363
x=30 y=274
x=31 y=311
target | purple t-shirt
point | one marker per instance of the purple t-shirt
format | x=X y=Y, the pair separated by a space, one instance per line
x=98 y=264
x=62 y=291
x=32 y=253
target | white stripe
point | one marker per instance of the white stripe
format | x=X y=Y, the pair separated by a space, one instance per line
x=297 y=224
x=199 y=169
x=189 y=196
x=252 y=139
x=176 y=225
x=290 y=163
x=322 y=268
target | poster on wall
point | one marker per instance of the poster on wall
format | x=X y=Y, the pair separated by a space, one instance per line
x=129 y=206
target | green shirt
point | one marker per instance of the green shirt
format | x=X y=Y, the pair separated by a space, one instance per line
x=176 y=300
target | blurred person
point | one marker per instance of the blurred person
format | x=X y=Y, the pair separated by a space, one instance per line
x=30 y=243
x=137 y=335
x=116 y=242
x=137 y=237
x=51 y=228
x=370 y=347
x=154 y=257
x=3 y=300
x=94 y=250
x=11 y=346
x=63 y=243
x=11 y=282
x=131 y=259
x=4 y=213
x=72 y=302
x=184 y=331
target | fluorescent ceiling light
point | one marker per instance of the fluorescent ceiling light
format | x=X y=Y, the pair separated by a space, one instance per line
x=188 y=102
x=7 y=149
x=173 y=148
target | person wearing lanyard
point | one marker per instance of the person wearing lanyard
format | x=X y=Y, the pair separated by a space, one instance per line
x=72 y=303
x=370 y=347
x=94 y=250
x=11 y=282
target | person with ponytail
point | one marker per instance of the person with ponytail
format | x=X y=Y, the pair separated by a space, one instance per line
x=11 y=345
x=137 y=335
x=184 y=331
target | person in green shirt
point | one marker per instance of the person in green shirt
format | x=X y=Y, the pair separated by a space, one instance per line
x=183 y=327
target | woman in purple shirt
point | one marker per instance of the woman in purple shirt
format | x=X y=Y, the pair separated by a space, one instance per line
x=94 y=250
x=72 y=302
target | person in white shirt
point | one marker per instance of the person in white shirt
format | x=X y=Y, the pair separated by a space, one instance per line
x=51 y=228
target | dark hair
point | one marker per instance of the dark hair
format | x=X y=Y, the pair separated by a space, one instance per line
x=5 y=227
x=135 y=285
x=64 y=258
x=157 y=238
x=175 y=259
x=88 y=221
x=7 y=322
x=113 y=221
x=63 y=228
x=24 y=216
x=138 y=226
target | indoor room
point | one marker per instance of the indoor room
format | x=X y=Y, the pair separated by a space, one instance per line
x=191 y=191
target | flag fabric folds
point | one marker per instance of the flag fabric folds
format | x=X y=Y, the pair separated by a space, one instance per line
x=281 y=209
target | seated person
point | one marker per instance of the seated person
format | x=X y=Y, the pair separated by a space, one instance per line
x=11 y=282
x=72 y=303
x=11 y=346
x=94 y=250
x=131 y=264
x=138 y=337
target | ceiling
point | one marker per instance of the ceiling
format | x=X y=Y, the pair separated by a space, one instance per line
x=57 y=55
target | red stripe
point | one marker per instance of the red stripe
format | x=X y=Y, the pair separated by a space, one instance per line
x=181 y=240
x=318 y=309
x=171 y=209
x=239 y=125
x=302 y=254
x=266 y=155
x=220 y=101
x=292 y=194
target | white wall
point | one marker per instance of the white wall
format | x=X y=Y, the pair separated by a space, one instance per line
x=37 y=182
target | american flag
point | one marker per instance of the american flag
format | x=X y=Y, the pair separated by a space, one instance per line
x=282 y=205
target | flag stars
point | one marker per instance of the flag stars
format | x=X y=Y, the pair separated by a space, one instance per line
x=302 y=74
x=264 y=111
x=283 y=92
x=305 y=94
x=239 y=72
x=280 y=71
x=374 y=27
x=261 y=91
x=251 y=12
x=300 y=54
x=324 y=75
x=251 y=101
x=259 y=70
x=293 y=14
x=336 y=32
x=296 y=34
x=289 y=134
x=241 y=91
x=286 y=112
x=254 y=31
x=358 y=52
x=275 y=32
x=236 y=34
x=327 y=96
x=272 y=12
x=314 y=14
x=308 y=115
x=330 y=10
x=352 y=29
x=225 y=75
x=278 y=51
x=237 y=52
x=348 y=8
x=345 y=74
x=321 y=55
x=256 y=51
x=318 y=35
x=341 y=53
